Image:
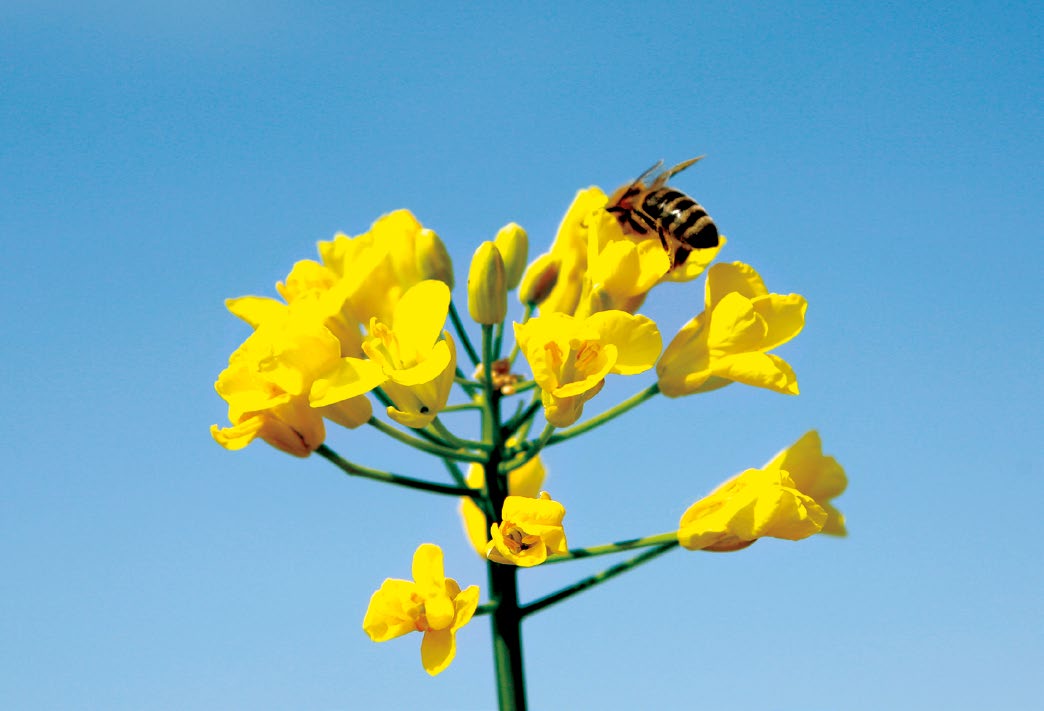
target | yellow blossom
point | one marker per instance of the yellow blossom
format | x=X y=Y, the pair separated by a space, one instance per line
x=530 y=530
x=268 y=379
x=570 y=357
x=569 y=251
x=377 y=267
x=815 y=475
x=406 y=358
x=730 y=339
x=524 y=481
x=308 y=287
x=751 y=505
x=431 y=603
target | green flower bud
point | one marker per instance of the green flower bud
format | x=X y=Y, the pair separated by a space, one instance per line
x=487 y=291
x=513 y=244
x=540 y=278
x=433 y=261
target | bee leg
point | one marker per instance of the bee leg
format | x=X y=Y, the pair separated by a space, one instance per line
x=681 y=255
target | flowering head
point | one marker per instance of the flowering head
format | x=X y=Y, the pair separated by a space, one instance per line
x=432 y=604
x=529 y=531
x=570 y=356
x=730 y=340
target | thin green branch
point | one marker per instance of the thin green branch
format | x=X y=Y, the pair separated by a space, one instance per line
x=437 y=450
x=617 y=547
x=455 y=441
x=628 y=404
x=521 y=418
x=461 y=407
x=353 y=469
x=458 y=326
x=596 y=579
x=531 y=449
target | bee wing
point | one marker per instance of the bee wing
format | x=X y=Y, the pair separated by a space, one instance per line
x=662 y=178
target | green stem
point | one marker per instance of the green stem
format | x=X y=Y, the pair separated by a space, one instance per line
x=462 y=407
x=617 y=547
x=455 y=441
x=628 y=404
x=420 y=444
x=505 y=615
x=596 y=579
x=458 y=326
x=397 y=479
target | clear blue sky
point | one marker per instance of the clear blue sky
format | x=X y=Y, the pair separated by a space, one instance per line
x=884 y=160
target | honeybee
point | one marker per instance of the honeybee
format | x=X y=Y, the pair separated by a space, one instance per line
x=680 y=222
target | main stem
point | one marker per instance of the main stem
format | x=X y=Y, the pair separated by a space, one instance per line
x=506 y=618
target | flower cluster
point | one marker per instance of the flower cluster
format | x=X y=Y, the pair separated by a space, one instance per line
x=373 y=318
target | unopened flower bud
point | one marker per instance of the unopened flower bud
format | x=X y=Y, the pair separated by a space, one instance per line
x=513 y=244
x=540 y=278
x=487 y=290
x=433 y=261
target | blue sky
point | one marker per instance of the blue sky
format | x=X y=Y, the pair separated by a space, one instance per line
x=882 y=160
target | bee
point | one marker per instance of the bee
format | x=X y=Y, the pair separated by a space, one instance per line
x=680 y=222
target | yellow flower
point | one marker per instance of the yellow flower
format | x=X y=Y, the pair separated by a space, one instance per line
x=407 y=359
x=431 y=603
x=268 y=379
x=309 y=287
x=569 y=250
x=570 y=357
x=379 y=266
x=524 y=481
x=751 y=505
x=814 y=475
x=730 y=339
x=529 y=531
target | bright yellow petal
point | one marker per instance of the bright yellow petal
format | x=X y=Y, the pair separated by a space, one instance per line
x=428 y=571
x=735 y=327
x=737 y=277
x=761 y=370
x=350 y=413
x=349 y=378
x=698 y=261
x=391 y=612
x=420 y=317
x=437 y=650
x=637 y=339
x=475 y=527
x=784 y=316
x=256 y=309
x=434 y=363
x=465 y=605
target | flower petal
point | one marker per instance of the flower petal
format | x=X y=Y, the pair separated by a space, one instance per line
x=420 y=317
x=437 y=650
x=737 y=277
x=637 y=339
x=349 y=378
x=762 y=370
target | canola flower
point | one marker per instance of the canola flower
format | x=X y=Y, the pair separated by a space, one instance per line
x=373 y=320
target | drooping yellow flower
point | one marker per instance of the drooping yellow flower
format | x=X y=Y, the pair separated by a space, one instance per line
x=751 y=505
x=570 y=357
x=406 y=358
x=730 y=340
x=815 y=475
x=530 y=530
x=431 y=603
x=268 y=379
x=524 y=481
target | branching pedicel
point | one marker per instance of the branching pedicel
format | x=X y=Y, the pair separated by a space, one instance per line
x=373 y=317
